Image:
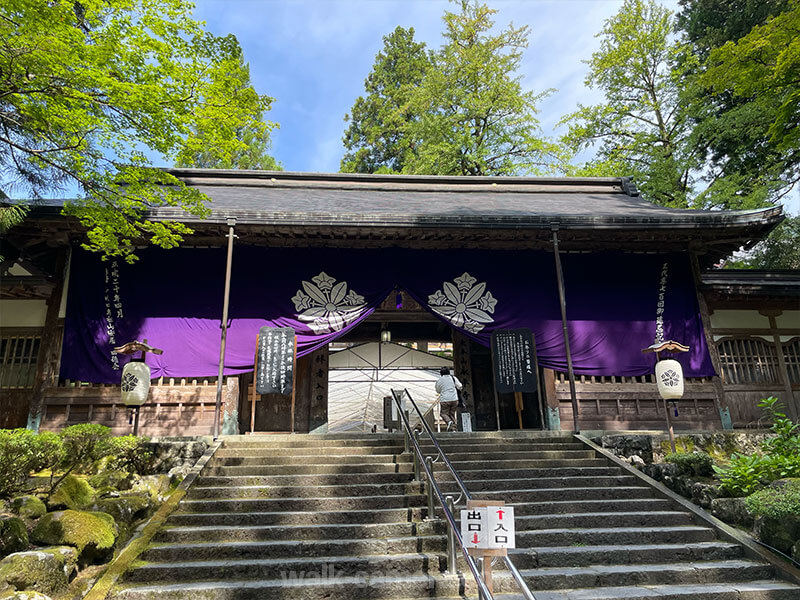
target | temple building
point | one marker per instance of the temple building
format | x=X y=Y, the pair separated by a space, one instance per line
x=398 y=266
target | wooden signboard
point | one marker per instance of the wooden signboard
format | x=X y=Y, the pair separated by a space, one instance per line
x=274 y=368
x=515 y=366
x=514 y=361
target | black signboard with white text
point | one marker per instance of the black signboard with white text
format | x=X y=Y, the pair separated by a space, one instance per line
x=514 y=363
x=275 y=360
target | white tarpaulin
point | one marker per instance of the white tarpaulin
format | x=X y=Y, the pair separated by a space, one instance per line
x=356 y=386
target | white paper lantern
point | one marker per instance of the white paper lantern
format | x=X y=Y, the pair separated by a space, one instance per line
x=669 y=378
x=135 y=383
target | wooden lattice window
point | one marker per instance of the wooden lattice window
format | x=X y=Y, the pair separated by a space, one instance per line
x=19 y=353
x=748 y=360
x=791 y=354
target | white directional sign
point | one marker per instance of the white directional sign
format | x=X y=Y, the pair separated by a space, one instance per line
x=501 y=527
x=474 y=527
x=488 y=527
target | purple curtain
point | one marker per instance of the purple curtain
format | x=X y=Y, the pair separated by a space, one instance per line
x=174 y=298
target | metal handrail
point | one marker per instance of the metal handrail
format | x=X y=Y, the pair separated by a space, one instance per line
x=514 y=572
x=454 y=531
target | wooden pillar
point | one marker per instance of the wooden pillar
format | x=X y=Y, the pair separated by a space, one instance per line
x=553 y=415
x=49 y=349
x=783 y=371
x=562 y=296
x=230 y=407
x=462 y=365
x=719 y=389
x=318 y=388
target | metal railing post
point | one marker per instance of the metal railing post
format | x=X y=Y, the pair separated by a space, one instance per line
x=405 y=438
x=482 y=571
x=449 y=505
x=451 y=540
x=431 y=507
x=416 y=460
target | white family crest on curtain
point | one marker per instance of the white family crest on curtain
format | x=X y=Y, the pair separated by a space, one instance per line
x=467 y=304
x=327 y=306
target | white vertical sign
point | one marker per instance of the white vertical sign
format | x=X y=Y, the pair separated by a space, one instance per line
x=474 y=527
x=500 y=520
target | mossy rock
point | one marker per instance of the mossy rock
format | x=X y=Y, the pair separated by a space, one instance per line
x=26 y=595
x=73 y=492
x=157 y=486
x=92 y=533
x=29 y=507
x=37 y=570
x=13 y=535
x=111 y=481
x=127 y=508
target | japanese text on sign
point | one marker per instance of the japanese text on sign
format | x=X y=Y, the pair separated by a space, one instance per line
x=113 y=305
x=514 y=365
x=275 y=360
x=488 y=527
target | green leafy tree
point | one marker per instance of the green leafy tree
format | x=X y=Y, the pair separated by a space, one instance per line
x=732 y=127
x=377 y=138
x=92 y=89
x=236 y=144
x=475 y=119
x=641 y=128
x=780 y=250
x=764 y=65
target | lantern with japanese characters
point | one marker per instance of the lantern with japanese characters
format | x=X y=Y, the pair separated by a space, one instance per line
x=669 y=379
x=135 y=382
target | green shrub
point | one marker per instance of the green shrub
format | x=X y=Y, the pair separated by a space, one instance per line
x=744 y=475
x=699 y=464
x=777 y=502
x=130 y=454
x=84 y=444
x=23 y=452
x=787 y=434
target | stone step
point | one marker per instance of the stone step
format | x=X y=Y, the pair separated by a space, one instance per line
x=490 y=473
x=560 y=507
x=751 y=590
x=325 y=531
x=316 y=587
x=602 y=519
x=394 y=448
x=614 y=536
x=292 y=518
x=505 y=446
x=519 y=464
x=259 y=452
x=481 y=485
x=319 y=491
x=523 y=455
x=599 y=576
x=303 y=480
x=293 y=548
x=562 y=494
x=300 y=588
x=315 y=442
x=301 y=504
x=311 y=469
x=622 y=554
x=325 y=459
x=278 y=568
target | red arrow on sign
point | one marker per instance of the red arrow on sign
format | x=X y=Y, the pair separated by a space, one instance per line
x=474 y=538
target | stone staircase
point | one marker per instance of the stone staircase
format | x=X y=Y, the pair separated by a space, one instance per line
x=340 y=517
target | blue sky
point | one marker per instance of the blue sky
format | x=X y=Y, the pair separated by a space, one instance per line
x=312 y=56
